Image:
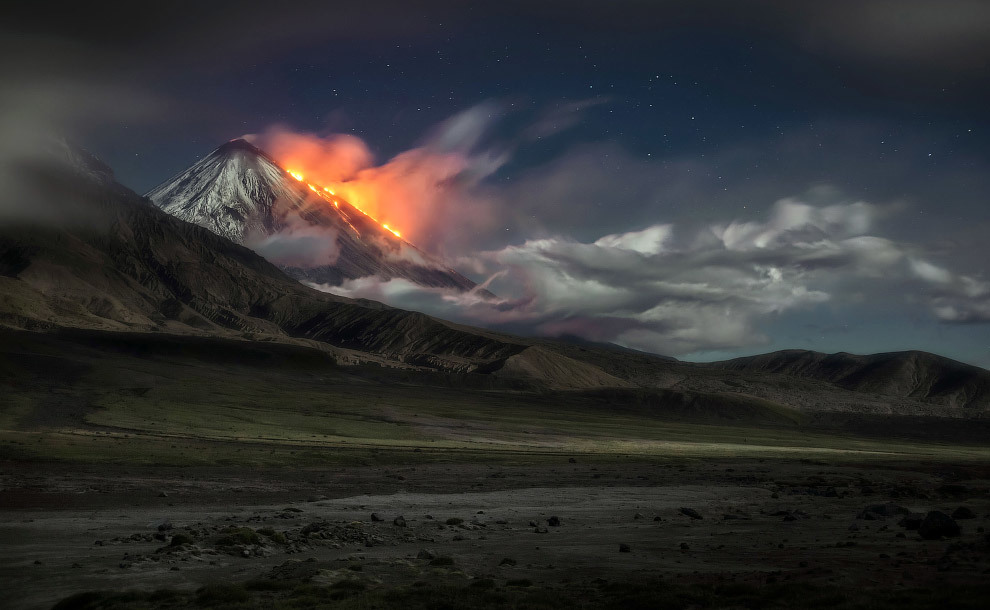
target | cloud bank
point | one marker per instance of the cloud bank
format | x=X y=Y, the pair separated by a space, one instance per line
x=677 y=290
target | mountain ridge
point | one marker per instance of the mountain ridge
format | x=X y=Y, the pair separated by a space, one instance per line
x=240 y=192
x=911 y=373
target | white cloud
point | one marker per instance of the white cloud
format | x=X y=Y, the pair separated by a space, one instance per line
x=930 y=272
x=648 y=241
x=678 y=290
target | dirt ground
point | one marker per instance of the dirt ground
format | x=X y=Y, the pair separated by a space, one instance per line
x=65 y=529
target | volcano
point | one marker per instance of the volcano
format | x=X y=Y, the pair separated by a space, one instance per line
x=241 y=193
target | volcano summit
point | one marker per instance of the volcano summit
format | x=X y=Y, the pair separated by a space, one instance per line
x=241 y=193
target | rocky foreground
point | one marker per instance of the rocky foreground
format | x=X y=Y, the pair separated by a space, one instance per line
x=562 y=534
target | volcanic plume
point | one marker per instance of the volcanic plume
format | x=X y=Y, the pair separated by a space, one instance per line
x=241 y=193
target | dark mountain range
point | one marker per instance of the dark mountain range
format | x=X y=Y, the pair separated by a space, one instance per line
x=117 y=264
x=911 y=374
x=241 y=193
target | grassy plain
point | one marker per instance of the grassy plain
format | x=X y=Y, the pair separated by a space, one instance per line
x=181 y=401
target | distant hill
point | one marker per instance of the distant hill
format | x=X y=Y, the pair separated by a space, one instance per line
x=911 y=374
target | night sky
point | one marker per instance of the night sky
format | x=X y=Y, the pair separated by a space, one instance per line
x=700 y=179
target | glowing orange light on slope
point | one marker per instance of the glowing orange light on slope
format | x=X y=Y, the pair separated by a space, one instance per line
x=336 y=204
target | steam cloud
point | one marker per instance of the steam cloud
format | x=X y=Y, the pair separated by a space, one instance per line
x=298 y=244
x=432 y=193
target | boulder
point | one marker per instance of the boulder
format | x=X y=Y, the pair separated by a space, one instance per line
x=882 y=511
x=690 y=512
x=938 y=524
x=912 y=521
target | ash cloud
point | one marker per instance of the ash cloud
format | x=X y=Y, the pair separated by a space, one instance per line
x=437 y=194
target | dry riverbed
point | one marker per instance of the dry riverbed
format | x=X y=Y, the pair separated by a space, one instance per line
x=530 y=535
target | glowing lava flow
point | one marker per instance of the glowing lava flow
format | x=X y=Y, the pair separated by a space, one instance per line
x=336 y=203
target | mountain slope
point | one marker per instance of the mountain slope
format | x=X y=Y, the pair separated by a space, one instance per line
x=911 y=374
x=240 y=193
x=118 y=263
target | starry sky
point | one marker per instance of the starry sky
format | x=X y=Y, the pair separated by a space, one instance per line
x=702 y=179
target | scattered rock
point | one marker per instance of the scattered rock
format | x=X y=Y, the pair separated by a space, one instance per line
x=953 y=490
x=553 y=521
x=624 y=548
x=882 y=511
x=571 y=461
x=684 y=546
x=376 y=517
x=399 y=521
x=963 y=512
x=180 y=539
x=638 y=516
x=508 y=561
x=426 y=554
x=294 y=570
x=938 y=524
x=162 y=494
x=690 y=512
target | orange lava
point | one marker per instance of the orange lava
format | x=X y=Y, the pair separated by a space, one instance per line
x=326 y=193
